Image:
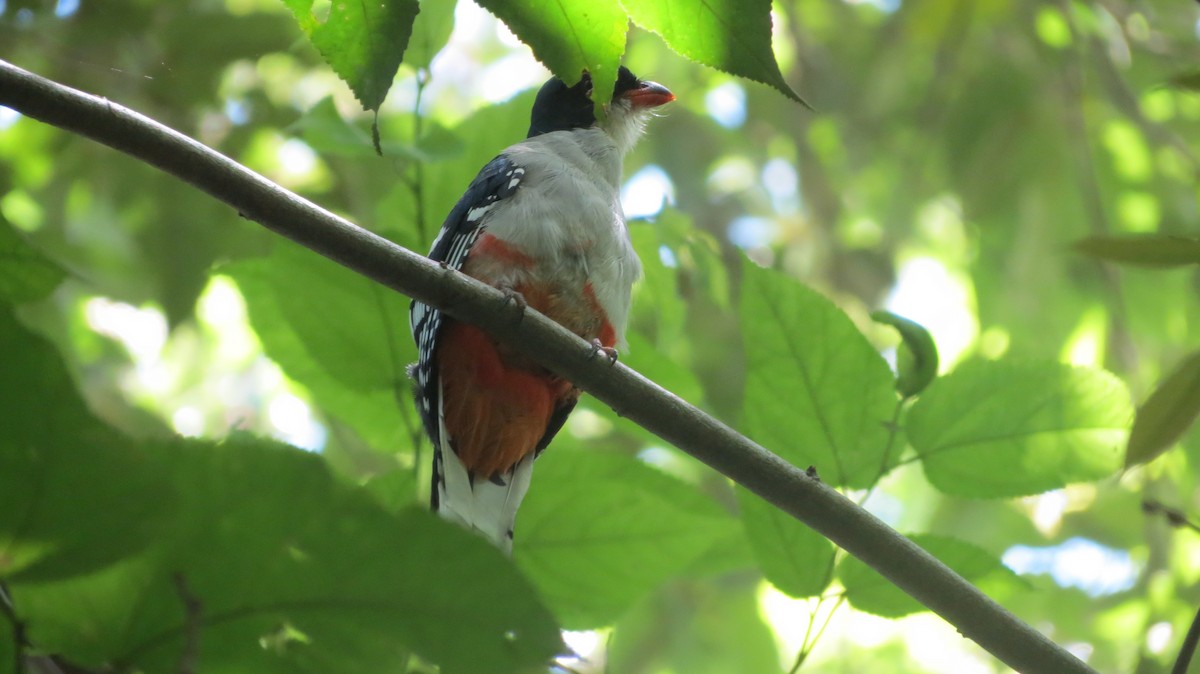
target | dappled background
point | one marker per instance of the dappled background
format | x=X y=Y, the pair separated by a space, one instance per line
x=955 y=151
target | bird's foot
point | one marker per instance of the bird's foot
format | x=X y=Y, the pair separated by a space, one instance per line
x=609 y=352
x=515 y=298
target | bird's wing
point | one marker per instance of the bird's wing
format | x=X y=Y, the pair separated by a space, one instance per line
x=497 y=181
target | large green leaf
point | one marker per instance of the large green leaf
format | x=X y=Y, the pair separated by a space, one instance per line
x=294 y=571
x=260 y=535
x=796 y=559
x=599 y=530
x=730 y=35
x=868 y=591
x=817 y=393
x=65 y=478
x=363 y=42
x=1011 y=428
x=570 y=36
x=342 y=336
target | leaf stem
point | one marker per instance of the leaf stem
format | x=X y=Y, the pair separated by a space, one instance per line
x=417 y=185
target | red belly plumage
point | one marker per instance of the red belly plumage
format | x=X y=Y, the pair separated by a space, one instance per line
x=498 y=404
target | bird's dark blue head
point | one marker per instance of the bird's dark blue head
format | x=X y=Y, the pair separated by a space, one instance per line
x=562 y=108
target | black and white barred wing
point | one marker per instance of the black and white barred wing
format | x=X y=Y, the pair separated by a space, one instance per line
x=497 y=181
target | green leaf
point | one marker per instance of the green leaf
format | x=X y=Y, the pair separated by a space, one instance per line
x=570 y=37
x=817 y=393
x=600 y=530
x=733 y=36
x=661 y=368
x=363 y=42
x=344 y=337
x=1157 y=251
x=870 y=592
x=430 y=32
x=25 y=274
x=65 y=478
x=295 y=572
x=730 y=552
x=917 y=361
x=1005 y=428
x=1169 y=411
x=796 y=559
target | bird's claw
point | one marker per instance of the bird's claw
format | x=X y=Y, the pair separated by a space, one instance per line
x=516 y=299
x=608 y=351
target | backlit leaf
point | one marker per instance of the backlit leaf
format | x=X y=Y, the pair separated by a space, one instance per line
x=1004 y=428
x=817 y=393
x=570 y=37
x=363 y=42
x=733 y=36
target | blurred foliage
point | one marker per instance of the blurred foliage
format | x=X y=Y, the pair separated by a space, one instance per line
x=1000 y=172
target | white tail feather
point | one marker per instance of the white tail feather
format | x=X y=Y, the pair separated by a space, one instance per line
x=479 y=504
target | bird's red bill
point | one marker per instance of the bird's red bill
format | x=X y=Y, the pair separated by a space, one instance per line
x=650 y=95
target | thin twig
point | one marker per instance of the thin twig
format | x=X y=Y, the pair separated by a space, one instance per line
x=806 y=645
x=418 y=183
x=1188 y=649
x=809 y=646
x=1175 y=517
x=821 y=507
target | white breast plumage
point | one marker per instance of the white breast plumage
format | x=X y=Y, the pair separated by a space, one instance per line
x=568 y=213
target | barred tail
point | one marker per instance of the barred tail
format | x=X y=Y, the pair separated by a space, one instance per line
x=487 y=506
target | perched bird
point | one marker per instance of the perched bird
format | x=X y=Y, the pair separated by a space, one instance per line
x=542 y=222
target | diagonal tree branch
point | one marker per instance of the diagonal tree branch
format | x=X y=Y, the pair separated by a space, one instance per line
x=817 y=505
